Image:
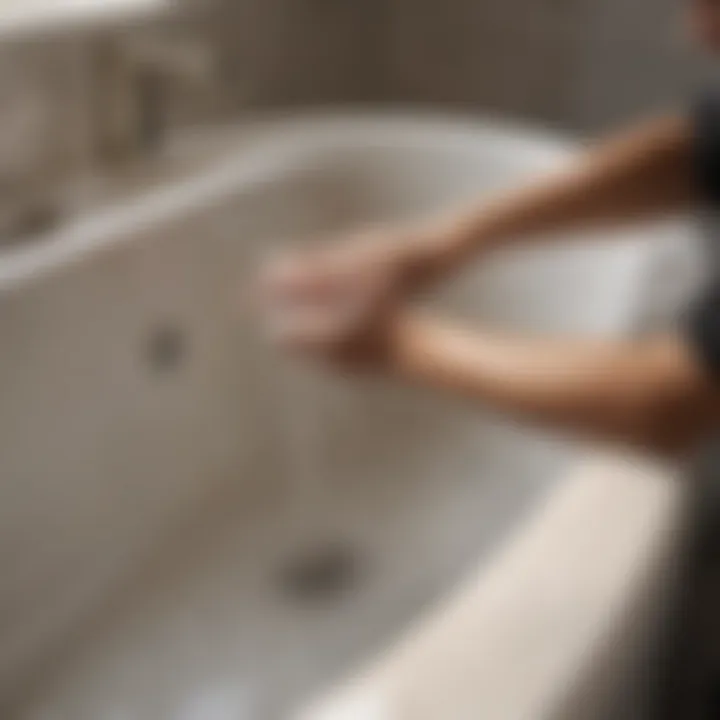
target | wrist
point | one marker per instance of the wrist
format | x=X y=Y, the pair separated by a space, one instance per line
x=409 y=338
x=427 y=254
x=443 y=246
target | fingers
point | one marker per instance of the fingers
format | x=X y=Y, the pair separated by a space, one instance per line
x=343 y=292
x=310 y=330
x=330 y=303
x=313 y=272
x=303 y=278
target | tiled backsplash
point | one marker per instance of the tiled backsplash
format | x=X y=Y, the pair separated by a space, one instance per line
x=572 y=63
x=41 y=105
x=44 y=123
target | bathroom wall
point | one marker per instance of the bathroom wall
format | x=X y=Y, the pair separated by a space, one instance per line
x=634 y=57
x=44 y=128
x=577 y=64
x=301 y=52
x=510 y=56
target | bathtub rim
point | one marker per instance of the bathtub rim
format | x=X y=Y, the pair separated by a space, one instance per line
x=117 y=225
x=432 y=658
x=284 y=143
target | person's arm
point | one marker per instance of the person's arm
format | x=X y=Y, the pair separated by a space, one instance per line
x=659 y=393
x=642 y=173
x=654 y=394
x=645 y=172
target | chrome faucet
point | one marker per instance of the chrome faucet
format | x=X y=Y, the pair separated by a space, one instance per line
x=130 y=82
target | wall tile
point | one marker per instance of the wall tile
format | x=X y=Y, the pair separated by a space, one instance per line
x=490 y=56
x=574 y=63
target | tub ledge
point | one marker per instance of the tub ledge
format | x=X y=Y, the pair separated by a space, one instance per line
x=552 y=626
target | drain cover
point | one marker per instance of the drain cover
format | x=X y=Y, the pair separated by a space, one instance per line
x=320 y=573
x=165 y=348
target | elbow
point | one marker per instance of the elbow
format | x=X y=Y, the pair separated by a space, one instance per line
x=672 y=407
x=673 y=424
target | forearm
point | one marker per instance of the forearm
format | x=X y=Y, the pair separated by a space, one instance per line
x=647 y=394
x=643 y=173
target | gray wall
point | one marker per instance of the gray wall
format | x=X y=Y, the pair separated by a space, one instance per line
x=576 y=64
x=581 y=64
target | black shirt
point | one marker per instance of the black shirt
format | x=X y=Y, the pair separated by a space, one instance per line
x=702 y=321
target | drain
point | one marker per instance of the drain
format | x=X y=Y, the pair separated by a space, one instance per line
x=165 y=348
x=320 y=573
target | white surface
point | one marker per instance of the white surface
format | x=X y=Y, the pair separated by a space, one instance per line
x=144 y=516
x=21 y=19
x=556 y=623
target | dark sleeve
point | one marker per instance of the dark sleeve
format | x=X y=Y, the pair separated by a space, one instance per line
x=706 y=146
x=701 y=323
x=702 y=330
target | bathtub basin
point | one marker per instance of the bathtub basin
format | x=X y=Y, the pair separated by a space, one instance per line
x=192 y=527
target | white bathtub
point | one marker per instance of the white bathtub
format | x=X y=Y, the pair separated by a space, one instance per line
x=153 y=502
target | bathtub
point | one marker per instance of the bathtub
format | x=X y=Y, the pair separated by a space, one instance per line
x=193 y=527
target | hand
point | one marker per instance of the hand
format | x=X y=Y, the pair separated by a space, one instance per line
x=372 y=264
x=338 y=301
x=337 y=328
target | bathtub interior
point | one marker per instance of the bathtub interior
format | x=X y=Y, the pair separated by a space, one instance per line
x=161 y=466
